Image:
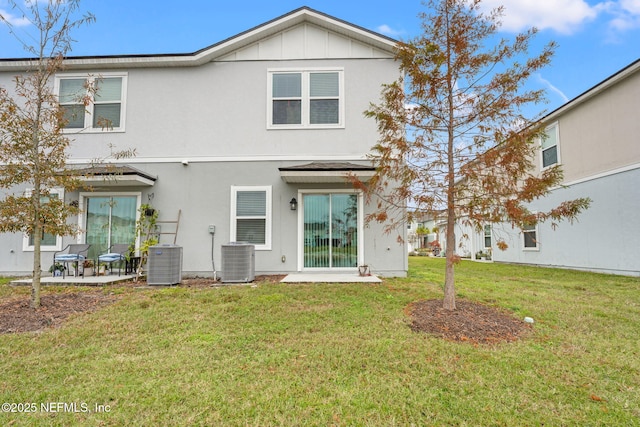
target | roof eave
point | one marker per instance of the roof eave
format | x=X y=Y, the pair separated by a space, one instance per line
x=222 y=48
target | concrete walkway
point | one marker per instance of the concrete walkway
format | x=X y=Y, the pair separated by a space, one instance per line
x=329 y=278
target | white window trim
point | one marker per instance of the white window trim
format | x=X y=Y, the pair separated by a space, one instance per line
x=306 y=98
x=557 y=131
x=360 y=221
x=537 y=247
x=88 y=118
x=268 y=214
x=82 y=202
x=44 y=248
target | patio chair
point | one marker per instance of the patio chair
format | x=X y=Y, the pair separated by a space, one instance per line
x=75 y=253
x=117 y=253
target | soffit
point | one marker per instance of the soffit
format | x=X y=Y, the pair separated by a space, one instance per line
x=325 y=173
x=115 y=176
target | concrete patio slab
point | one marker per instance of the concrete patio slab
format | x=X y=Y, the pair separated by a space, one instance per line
x=329 y=278
x=78 y=281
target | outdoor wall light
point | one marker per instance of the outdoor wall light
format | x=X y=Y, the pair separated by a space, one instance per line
x=293 y=204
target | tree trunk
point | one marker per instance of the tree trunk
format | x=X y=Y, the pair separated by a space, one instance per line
x=449 y=302
x=37 y=267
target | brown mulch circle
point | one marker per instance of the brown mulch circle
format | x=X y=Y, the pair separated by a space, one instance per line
x=16 y=315
x=470 y=322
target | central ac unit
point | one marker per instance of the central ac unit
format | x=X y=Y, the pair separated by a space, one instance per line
x=165 y=265
x=238 y=263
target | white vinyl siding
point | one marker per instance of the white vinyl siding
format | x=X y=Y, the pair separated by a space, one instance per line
x=305 y=99
x=251 y=216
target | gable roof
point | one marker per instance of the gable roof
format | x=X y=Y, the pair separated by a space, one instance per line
x=224 y=47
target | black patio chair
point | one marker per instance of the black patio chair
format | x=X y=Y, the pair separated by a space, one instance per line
x=74 y=253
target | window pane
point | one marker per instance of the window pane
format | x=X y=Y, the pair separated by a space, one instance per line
x=530 y=240
x=344 y=230
x=487 y=236
x=549 y=139
x=109 y=90
x=71 y=90
x=47 y=240
x=251 y=230
x=287 y=112
x=550 y=156
x=74 y=116
x=324 y=84
x=317 y=230
x=287 y=85
x=106 y=115
x=324 y=111
x=251 y=203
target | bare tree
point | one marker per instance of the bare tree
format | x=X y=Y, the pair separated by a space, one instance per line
x=453 y=135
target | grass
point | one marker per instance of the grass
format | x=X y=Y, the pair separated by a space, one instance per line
x=328 y=354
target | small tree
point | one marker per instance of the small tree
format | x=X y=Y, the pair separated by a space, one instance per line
x=32 y=144
x=146 y=233
x=452 y=132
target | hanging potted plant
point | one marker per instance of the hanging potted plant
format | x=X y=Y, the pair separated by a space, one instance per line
x=148 y=210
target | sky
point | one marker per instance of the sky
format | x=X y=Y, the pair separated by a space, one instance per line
x=596 y=38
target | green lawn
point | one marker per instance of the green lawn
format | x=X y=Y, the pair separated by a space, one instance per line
x=336 y=355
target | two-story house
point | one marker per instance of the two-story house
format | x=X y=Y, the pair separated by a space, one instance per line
x=250 y=139
x=596 y=139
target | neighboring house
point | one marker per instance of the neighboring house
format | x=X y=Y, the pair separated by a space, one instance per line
x=232 y=136
x=470 y=242
x=420 y=232
x=596 y=139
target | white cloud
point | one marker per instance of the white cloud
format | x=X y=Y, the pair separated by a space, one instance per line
x=625 y=14
x=553 y=88
x=13 y=20
x=563 y=16
x=388 y=31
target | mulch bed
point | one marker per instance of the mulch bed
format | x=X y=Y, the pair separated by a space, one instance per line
x=471 y=322
x=16 y=315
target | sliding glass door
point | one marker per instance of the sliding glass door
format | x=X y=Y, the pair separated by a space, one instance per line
x=330 y=230
x=109 y=220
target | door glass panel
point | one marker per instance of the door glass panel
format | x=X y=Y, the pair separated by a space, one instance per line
x=330 y=230
x=344 y=230
x=110 y=220
x=316 y=230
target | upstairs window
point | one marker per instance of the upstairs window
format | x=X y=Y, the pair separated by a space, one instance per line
x=106 y=107
x=305 y=99
x=549 y=147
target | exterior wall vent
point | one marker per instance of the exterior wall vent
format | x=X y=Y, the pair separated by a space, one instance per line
x=238 y=263
x=165 y=265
